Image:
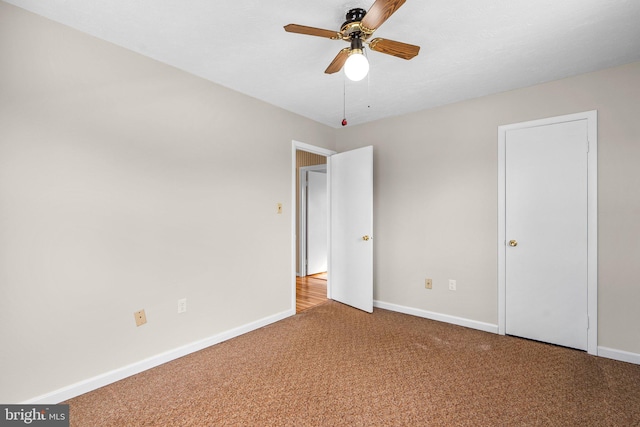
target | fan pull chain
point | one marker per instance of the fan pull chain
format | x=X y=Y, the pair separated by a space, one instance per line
x=368 y=81
x=344 y=100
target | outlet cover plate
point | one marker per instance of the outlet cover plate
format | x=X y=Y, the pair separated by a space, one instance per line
x=182 y=305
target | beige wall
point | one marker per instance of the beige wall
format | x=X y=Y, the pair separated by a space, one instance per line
x=436 y=198
x=127 y=184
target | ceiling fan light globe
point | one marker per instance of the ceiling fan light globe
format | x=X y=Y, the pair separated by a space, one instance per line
x=357 y=67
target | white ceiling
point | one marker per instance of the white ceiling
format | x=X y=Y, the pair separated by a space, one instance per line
x=470 y=48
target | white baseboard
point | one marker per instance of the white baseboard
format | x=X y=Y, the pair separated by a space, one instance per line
x=460 y=321
x=610 y=353
x=621 y=355
x=107 y=378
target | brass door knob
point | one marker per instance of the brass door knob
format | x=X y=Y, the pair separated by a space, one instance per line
x=366 y=238
x=513 y=243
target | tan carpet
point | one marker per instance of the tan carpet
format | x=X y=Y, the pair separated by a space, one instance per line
x=333 y=365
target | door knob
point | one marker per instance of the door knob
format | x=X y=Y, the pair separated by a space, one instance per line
x=366 y=238
x=513 y=243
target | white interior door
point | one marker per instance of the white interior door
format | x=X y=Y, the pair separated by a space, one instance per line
x=317 y=221
x=546 y=233
x=351 y=213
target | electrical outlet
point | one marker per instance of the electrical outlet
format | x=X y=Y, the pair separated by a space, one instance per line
x=140 y=317
x=279 y=208
x=428 y=284
x=182 y=305
x=452 y=285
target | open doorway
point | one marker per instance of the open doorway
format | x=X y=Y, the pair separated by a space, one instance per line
x=312 y=220
x=350 y=218
x=311 y=229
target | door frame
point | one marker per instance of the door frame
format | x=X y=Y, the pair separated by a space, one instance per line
x=301 y=146
x=592 y=218
x=302 y=206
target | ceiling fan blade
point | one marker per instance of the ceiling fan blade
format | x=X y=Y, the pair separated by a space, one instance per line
x=390 y=47
x=379 y=12
x=312 y=31
x=338 y=62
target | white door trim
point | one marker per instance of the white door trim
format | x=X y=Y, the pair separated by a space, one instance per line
x=295 y=146
x=302 y=210
x=592 y=222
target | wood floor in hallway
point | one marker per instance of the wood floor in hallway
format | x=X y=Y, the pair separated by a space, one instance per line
x=310 y=291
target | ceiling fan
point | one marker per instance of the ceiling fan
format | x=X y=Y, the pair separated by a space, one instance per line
x=357 y=30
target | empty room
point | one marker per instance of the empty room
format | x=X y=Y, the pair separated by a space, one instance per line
x=479 y=165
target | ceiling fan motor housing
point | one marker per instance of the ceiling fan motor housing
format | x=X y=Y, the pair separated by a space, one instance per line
x=351 y=28
x=354 y=15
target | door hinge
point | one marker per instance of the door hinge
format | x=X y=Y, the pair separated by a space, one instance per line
x=588 y=323
x=587 y=145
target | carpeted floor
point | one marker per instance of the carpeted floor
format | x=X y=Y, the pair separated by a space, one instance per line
x=333 y=365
